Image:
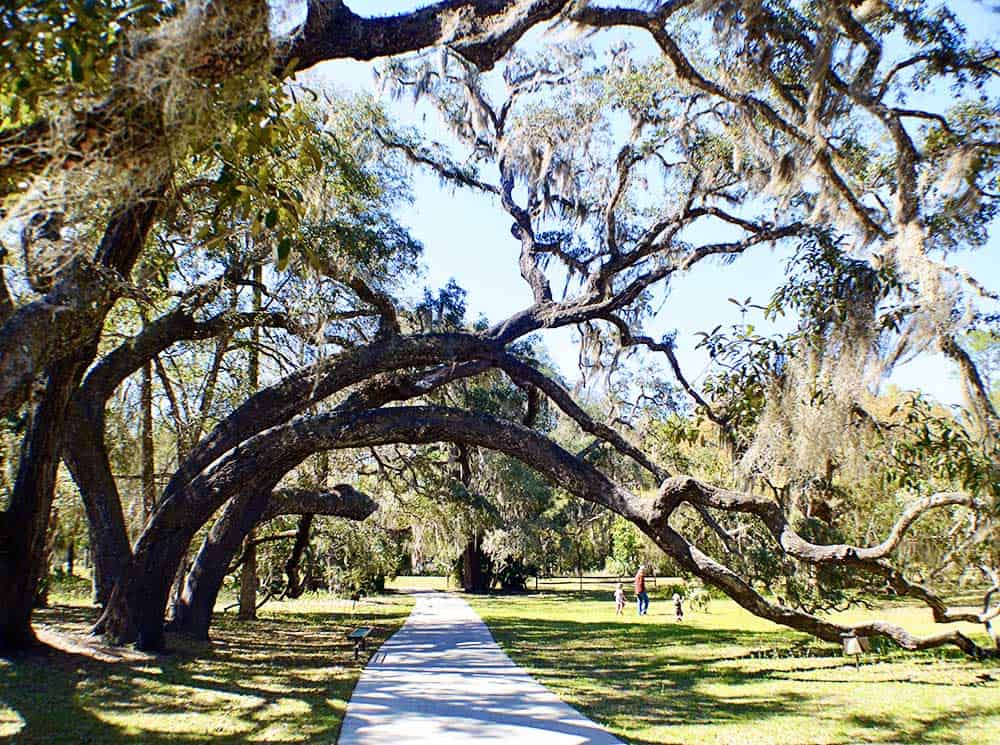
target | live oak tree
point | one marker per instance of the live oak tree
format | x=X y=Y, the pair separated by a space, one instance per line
x=753 y=124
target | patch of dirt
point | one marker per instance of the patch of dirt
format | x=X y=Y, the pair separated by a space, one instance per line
x=84 y=644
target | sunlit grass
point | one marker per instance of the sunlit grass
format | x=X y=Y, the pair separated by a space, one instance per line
x=724 y=677
x=286 y=677
x=729 y=678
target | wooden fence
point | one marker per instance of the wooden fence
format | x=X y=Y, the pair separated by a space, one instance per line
x=596 y=582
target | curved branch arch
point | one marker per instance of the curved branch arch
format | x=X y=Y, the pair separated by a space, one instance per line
x=266 y=457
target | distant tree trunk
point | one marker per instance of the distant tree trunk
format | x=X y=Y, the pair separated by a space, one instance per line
x=248 y=576
x=70 y=556
x=180 y=424
x=474 y=577
x=474 y=574
x=297 y=586
x=146 y=449
x=51 y=537
x=248 y=579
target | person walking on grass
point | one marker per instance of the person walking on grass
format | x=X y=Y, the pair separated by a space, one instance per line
x=678 y=607
x=641 y=598
x=619 y=600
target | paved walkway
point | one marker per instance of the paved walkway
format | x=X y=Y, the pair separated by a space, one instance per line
x=442 y=679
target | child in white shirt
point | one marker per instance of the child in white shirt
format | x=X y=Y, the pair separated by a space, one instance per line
x=619 y=600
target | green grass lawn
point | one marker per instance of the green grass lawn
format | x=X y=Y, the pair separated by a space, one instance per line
x=729 y=678
x=284 y=678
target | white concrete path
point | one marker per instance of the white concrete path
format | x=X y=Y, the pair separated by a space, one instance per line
x=442 y=679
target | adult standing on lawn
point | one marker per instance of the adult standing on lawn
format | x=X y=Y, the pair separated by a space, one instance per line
x=641 y=598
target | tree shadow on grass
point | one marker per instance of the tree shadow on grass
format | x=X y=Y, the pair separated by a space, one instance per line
x=951 y=727
x=631 y=684
x=282 y=678
x=635 y=676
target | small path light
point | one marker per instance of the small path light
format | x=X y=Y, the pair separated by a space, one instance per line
x=854 y=645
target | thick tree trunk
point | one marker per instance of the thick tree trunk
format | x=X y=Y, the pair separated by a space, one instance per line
x=88 y=296
x=87 y=458
x=193 y=613
x=138 y=603
x=474 y=574
x=24 y=526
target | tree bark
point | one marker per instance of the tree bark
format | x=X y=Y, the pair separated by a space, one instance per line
x=482 y=31
x=86 y=456
x=34 y=336
x=296 y=585
x=23 y=525
x=473 y=573
x=277 y=403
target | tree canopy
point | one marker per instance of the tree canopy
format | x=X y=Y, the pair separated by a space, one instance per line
x=191 y=225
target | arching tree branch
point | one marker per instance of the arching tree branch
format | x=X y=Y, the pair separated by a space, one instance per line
x=482 y=31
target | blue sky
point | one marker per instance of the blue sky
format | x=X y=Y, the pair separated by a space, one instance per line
x=466 y=237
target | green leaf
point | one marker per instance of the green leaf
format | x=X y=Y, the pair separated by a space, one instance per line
x=271 y=218
x=284 y=251
x=75 y=67
x=312 y=153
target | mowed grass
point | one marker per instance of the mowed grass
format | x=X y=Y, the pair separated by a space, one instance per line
x=285 y=678
x=729 y=678
x=423 y=582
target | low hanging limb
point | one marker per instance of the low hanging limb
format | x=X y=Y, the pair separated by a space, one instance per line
x=341 y=501
x=258 y=541
x=988 y=615
x=871 y=559
x=295 y=588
